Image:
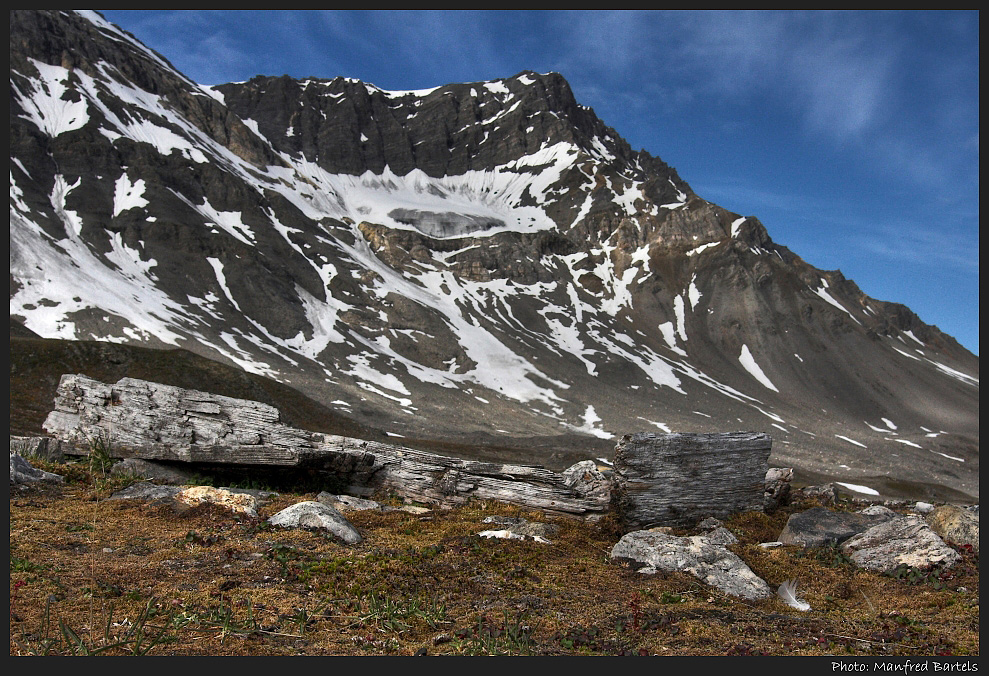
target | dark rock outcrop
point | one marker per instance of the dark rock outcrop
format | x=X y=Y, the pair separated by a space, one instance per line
x=819 y=526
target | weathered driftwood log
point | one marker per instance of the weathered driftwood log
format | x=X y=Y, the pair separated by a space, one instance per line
x=679 y=479
x=157 y=422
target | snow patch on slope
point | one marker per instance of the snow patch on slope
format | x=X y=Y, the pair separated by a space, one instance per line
x=748 y=361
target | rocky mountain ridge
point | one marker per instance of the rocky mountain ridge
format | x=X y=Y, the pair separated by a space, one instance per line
x=475 y=260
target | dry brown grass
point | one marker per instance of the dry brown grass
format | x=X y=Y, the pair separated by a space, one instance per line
x=204 y=582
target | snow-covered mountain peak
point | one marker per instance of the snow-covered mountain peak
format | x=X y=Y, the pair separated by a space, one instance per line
x=471 y=261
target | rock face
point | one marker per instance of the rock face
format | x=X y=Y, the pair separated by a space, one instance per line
x=708 y=561
x=679 y=479
x=160 y=414
x=906 y=540
x=481 y=261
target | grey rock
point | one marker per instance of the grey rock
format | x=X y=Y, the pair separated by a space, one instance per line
x=22 y=472
x=152 y=471
x=347 y=502
x=148 y=491
x=140 y=413
x=709 y=562
x=956 y=525
x=586 y=479
x=905 y=540
x=818 y=526
x=721 y=536
x=38 y=447
x=777 y=490
x=316 y=515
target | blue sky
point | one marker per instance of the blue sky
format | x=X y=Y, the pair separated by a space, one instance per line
x=853 y=136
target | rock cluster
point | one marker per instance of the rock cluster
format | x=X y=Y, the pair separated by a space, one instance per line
x=875 y=538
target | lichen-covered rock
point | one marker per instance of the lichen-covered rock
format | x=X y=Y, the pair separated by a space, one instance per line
x=905 y=540
x=319 y=516
x=242 y=503
x=707 y=561
x=956 y=525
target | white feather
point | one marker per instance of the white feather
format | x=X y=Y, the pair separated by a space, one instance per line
x=788 y=592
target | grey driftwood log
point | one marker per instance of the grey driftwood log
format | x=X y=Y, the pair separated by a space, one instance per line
x=679 y=479
x=151 y=421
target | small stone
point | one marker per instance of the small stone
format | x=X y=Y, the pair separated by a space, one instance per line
x=721 y=536
x=710 y=523
x=825 y=494
x=521 y=527
x=347 y=502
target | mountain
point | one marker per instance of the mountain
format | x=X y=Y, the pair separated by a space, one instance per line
x=477 y=265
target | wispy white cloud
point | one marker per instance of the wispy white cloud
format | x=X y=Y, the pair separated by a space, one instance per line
x=927 y=246
x=200 y=46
